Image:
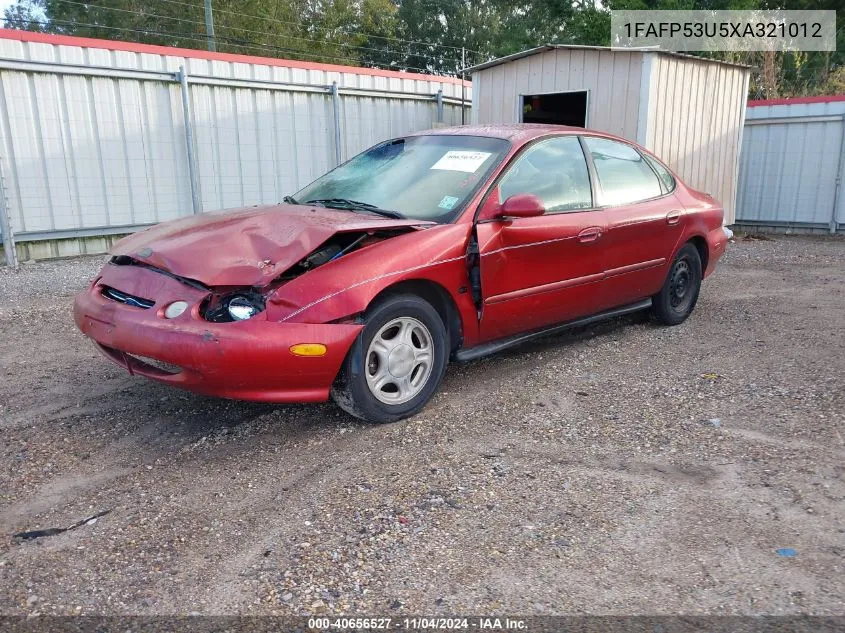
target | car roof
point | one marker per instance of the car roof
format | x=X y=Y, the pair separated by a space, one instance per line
x=517 y=133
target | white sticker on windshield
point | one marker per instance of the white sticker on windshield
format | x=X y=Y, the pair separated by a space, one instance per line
x=457 y=160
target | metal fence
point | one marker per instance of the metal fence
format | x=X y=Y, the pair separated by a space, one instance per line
x=792 y=165
x=98 y=142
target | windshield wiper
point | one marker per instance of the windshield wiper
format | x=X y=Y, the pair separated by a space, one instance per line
x=354 y=205
x=289 y=200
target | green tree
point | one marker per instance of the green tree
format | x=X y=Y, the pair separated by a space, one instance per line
x=339 y=31
x=25 y=15
x=449 y=29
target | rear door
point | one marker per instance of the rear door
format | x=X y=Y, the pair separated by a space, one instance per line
x=644 y=220
x=542 y=270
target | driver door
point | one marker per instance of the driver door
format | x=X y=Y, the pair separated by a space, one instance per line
x=538 y=271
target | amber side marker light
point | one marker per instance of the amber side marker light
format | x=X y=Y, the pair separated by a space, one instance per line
x=308 y=349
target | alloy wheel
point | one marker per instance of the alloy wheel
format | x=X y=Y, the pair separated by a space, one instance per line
x=399 y=360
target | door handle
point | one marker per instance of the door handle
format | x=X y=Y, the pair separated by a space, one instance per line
x=590 y=234
x=673 y=217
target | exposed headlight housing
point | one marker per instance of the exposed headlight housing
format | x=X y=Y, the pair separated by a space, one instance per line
x=237 y=306
x=241 y=308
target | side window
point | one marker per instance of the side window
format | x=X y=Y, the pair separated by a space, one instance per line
x=664 y=174
x=624 y=176
x=555 y=171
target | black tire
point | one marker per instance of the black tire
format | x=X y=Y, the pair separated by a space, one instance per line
x=352 y=391
x=676 y=300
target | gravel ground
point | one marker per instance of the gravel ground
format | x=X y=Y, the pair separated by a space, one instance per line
x=620 y=469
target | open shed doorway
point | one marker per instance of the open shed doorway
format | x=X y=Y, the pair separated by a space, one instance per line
x=559 y=108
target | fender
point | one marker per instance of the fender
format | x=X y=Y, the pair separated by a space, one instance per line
x=705 y=216
x=344 y=288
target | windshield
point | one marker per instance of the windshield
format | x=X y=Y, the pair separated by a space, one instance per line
x=420 y=177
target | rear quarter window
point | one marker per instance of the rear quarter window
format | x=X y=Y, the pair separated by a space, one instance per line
x=662 y=172
x=624 y=177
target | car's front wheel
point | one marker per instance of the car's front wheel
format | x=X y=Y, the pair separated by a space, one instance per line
x=676 y=300
x=396 y=364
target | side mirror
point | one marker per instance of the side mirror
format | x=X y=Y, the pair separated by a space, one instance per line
x=522 y=205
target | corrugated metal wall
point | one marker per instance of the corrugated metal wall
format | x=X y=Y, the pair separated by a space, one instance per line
x=94 y=140
x=612 y=77
x=792 y=166
x=688 y=112
x=694 y=123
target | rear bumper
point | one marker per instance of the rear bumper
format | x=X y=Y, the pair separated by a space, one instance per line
x=717 y=242
x=248 y=360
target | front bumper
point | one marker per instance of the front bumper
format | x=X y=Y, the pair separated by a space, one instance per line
x=247 y=360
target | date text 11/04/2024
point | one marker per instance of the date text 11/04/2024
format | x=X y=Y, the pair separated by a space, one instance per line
x=415 y=624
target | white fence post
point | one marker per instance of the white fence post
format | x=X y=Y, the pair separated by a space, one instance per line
x=338 y=154
x=439 y=101
x=189 y=139
x=6 y=226
x=837 y=191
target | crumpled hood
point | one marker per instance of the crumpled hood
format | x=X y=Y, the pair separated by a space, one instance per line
x=248 y=247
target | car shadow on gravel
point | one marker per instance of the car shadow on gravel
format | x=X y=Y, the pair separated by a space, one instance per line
x=200 y=415
x=147 y=414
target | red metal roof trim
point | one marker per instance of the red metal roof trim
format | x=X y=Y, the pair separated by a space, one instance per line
x=115 y=45
x=796 y=100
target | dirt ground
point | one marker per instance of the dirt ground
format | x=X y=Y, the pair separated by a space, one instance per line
x=624 y=468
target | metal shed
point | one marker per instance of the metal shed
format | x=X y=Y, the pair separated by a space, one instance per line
x=101 y=138
x=793 y=165
x=687 y=110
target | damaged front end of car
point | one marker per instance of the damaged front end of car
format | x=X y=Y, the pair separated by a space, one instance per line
x=217 y=340
x=226 y=303
x=222 y=308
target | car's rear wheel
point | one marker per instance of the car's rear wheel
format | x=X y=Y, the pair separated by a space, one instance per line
x=396 y=364
x=676 y=300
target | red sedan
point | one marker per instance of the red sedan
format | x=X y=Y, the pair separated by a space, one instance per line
x=449 y=244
